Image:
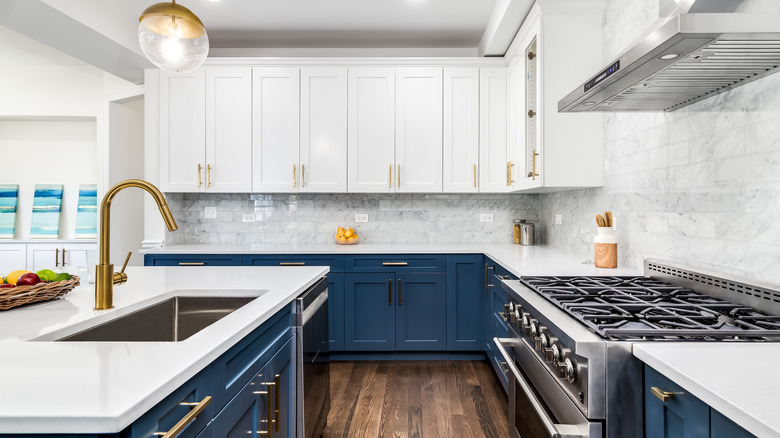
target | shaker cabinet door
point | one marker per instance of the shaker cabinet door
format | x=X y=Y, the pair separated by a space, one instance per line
x=228 y=130
x=494 y=166
x=418 y=130
x=369 y=312
x=421 y=323
x=323 y=130
x=371 y=130
x=182 y=133
x=461 y=130
x=275 y=130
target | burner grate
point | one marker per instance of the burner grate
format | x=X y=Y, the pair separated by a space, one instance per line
x=631 y=307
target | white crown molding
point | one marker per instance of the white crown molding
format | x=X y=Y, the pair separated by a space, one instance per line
x=303 y=62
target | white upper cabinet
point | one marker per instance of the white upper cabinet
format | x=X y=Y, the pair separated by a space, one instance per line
x=495 y=175
x=554 y=150
x=182 y=131
x=323 y=150
x=275 y=129
x=205 y=130
x=461 y=129
x=418 y=130
x=371 y=130
x=228 y=130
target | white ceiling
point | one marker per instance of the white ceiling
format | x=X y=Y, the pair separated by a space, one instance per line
x=286 y=27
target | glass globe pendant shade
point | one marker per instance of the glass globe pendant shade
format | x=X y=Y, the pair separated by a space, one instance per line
x=172 y=37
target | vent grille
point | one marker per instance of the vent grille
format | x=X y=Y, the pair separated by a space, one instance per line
x=718 y=66
x=757 y=297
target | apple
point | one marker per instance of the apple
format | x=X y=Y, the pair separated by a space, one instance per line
x=28 y=279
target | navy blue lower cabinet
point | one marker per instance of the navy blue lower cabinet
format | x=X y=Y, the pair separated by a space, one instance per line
x=336 y=311
x=681 y=415
x=722 y=427
x=193 y=260
x=420 y=318
x=369 y=320
x=487 y=305
x=465 y=292
x=267 y=401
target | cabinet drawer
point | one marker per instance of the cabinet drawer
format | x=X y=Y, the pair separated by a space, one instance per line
x=173 y=408
x=192 y=260
x=396 y=263
x=335 y=262
x=241 y=363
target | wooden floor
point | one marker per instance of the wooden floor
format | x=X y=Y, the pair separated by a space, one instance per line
x=414 y=399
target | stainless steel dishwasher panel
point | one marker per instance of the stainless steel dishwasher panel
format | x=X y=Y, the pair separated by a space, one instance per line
x=313 y=360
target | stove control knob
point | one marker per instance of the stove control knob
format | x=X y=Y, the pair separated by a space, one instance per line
x=571 y=370
x=525 y=320
x=509 y=311
x=553 y=354
x=532 y=329
x=542 y=341
x=516 y=317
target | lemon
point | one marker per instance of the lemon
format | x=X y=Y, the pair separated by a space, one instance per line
x=62 y=277
x=46 y=274
x=13 y=276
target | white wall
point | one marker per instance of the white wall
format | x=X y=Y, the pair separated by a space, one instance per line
x=48 y=152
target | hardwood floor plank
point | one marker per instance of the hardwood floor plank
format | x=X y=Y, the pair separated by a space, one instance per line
x=416 y=399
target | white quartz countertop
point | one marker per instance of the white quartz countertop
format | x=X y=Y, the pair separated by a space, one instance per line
x=735 y=379
x=518 y=259
x=102 y=387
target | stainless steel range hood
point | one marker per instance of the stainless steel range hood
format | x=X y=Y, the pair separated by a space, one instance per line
x=701 y=48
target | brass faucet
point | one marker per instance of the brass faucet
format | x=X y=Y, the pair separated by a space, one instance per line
x=105 y=277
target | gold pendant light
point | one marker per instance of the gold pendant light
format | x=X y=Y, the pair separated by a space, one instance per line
x=172 y=37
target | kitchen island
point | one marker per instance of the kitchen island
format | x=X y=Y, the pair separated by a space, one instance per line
x=102 y=387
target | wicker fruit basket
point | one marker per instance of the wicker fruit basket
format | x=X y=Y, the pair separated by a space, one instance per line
x=20 y=295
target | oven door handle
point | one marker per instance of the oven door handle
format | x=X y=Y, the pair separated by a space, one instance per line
x=553 y=430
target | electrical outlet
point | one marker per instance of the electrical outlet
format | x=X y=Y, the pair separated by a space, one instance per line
x=249 y=217
x=210 y=212
x=361 y=217
x=558 y=219
x=486 y=217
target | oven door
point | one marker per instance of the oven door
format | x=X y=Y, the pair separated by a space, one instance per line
x=538 y=406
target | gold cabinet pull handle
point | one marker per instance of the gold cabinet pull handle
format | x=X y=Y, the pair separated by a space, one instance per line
x=56 y=257
x=394 y=263
x=303 y=175
x=511 y=165
x=507 y=174
x=390 y=292
x=63 y=256
x=277 y=401
x=664 y=396
x=208 y=175
x=187 y=419
x=199 y=180
x=295 y=179
x=475 y=176
x=398 y=286
x=390 y=177
x=292 y=264
x=398 y=175
x=191 y=263
x=533 y=173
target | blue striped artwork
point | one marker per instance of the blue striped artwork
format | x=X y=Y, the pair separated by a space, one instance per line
x=86 y=214
x=9 y=193
x=47 y=204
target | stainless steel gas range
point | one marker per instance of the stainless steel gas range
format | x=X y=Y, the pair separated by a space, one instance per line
x=569 y=345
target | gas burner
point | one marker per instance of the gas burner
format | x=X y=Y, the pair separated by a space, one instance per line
x=641 y=307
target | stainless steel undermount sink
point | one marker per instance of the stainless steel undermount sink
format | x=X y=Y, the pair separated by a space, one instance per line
x=172 y=320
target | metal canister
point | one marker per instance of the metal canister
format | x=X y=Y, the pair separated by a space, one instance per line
x=523 y=232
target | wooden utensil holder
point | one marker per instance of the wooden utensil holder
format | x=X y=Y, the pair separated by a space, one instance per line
x=605 y=248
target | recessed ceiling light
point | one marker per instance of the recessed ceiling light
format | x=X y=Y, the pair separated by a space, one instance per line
x=669 y=56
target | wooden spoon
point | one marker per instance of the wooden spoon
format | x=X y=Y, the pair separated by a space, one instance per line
x=600 y=221
x=608 y=216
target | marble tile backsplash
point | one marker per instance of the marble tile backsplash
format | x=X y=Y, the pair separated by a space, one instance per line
x=700 y=185
x=313 y=218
